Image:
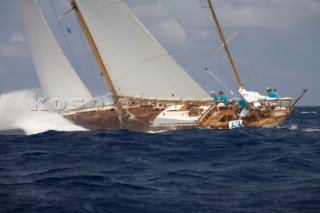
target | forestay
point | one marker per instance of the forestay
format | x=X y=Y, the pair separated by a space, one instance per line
x=137 y=63
x=56 y=75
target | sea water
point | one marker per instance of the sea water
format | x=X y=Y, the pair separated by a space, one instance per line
x=190 y=170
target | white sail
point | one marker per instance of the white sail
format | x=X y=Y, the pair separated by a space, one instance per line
x=251 y=96
x=56 y=75
x=137 y=64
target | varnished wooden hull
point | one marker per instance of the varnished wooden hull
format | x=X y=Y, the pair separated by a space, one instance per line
x=112 y=120
x=109 y=119
x=221 y=119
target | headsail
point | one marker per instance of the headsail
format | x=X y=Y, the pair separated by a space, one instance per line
x=137 y=64
x=56 y=75
x=251 y=96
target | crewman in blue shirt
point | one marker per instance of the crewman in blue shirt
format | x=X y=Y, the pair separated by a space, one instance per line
x=223 y=98
x=245 y=110
x=271 y=94
x=214 y=95
x=243 y=103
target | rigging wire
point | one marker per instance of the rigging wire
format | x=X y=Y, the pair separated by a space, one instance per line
x=266 y=61
x=92 y=80
x=256 y=82
x=215 y=31
x=71 y=52
x=199 y=44
x=88 y=62
x=220 y=82
x=219 y=56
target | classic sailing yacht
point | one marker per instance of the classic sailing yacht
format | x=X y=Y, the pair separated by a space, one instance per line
x=150 y=90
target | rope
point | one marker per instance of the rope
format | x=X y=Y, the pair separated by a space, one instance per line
x=134 y=119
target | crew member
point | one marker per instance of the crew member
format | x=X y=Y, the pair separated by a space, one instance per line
x=223 y=99
x=245 y=111
x=214 y=96
x=271 y=94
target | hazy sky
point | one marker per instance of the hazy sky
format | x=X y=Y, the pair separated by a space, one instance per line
x=278 y=43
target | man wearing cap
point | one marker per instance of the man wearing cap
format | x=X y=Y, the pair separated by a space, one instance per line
x=271 y=94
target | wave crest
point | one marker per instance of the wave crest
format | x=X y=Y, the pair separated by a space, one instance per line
x=16 y=112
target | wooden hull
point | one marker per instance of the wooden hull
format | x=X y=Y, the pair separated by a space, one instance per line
x=112 y=120
x=221 y=119
x=145 y=119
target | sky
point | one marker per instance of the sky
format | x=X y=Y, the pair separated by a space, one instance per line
x=277 y=45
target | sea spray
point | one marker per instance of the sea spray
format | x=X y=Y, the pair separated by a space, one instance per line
x=17 y=111
x=293 y=127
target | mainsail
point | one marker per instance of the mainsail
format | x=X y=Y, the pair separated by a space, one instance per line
x=56 y=75
x=137 y=63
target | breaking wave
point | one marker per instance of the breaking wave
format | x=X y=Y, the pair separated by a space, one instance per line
x=17 y=112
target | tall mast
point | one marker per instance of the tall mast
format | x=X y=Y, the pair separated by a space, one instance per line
x=97 y=55
x=224 y=43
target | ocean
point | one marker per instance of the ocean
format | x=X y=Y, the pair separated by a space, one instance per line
x=190 y=170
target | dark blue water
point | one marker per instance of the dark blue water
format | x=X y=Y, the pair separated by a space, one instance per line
x=192 y=170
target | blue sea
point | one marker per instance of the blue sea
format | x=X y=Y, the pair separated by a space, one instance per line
x=190 y=170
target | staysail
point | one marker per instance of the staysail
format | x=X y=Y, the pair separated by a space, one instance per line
x=137 y=63
x=56 y=75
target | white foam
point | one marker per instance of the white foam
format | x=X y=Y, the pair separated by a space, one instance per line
x=17 y=112
x=310 y=130
x=304 y=112
x=157 y=131
x=293 y=127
